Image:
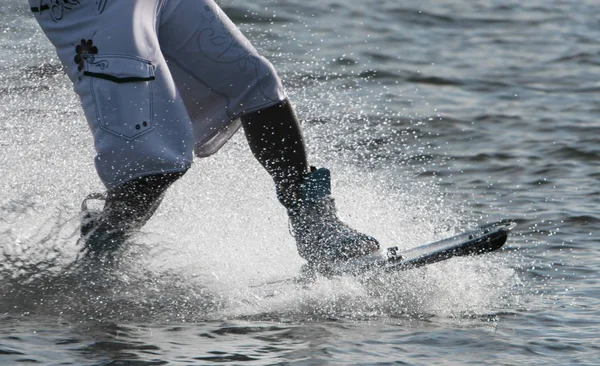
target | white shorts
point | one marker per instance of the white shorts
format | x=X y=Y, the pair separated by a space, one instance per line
x=158 y=79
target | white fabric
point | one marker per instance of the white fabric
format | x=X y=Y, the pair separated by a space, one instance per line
x=161 y=79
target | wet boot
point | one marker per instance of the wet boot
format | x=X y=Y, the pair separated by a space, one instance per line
x=275 y=138
x=100 y=235
x=124 y=210
x=321 y=237
x=91 y=216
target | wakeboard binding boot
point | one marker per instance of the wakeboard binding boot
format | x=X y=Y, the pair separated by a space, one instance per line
x=99 y=236
x=125 y=210
x=321 y=237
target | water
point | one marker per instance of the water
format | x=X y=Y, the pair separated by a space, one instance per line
x=434 y=116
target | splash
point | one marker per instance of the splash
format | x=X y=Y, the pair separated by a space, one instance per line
x=221 y=230
x=219 y=234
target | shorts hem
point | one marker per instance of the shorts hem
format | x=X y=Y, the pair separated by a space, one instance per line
x=261 y=107
x=151 y=172
x=213 y=144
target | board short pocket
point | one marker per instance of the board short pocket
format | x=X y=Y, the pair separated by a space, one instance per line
x=121 y=88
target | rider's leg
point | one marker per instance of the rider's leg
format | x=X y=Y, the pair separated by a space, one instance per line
x=275 y=139
x=126 y=209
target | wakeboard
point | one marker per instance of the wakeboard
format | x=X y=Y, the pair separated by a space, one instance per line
x=484 y=239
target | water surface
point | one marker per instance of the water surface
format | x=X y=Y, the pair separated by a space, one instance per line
x=433 y=117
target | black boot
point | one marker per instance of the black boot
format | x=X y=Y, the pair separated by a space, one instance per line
x=321 y=237
x=98 y=235
x=125 y=209
x=275 y=138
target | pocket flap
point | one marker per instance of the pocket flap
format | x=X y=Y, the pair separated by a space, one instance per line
x=119 y=69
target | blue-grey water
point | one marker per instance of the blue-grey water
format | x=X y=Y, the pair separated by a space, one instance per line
x=433 y=115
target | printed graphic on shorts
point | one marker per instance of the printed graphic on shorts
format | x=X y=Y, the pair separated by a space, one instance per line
x=59 y=7
x=85 y=52
x=217 y=43
x=220 y=45
x=101 y=5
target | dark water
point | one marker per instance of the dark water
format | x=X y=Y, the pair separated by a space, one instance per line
x=434 y=116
